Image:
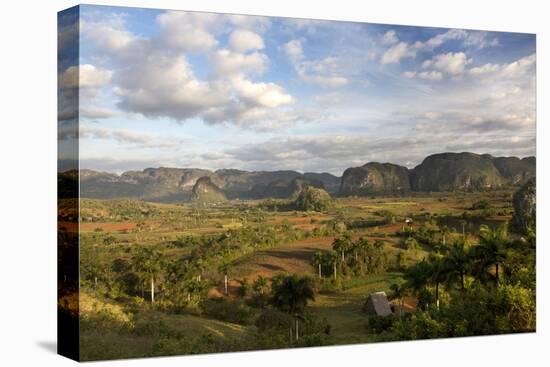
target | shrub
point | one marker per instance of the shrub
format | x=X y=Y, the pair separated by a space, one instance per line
x=274 y=320
x=225 y=310
x=379 y=324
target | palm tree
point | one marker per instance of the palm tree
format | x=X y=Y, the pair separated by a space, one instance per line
x=148 y=262
x=398 y=293
x=444 y=232
x=437 y=274
x=356 y=247
x=341 y=245
x=318 y=259
x=260 y=285
x=463 y=223
x=199 y=265
x=457 y=262
x=331 y=260
x=417 y=276
x=194 y=287
x=290 y=293
x=95 y=270
x=224 y=269
x=366 y=250
x=492 y=248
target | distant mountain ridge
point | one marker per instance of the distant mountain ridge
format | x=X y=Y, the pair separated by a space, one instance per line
x=176 y=184
x=437 y=172
x=375 y=178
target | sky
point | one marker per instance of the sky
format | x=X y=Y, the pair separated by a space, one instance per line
x=189 y=89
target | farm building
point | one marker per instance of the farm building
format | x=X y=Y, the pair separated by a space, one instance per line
x=378 y=305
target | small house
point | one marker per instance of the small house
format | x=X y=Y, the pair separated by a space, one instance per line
x=378 y=305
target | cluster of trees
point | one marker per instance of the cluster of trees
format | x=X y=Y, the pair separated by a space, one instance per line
x=171 y=282
x=349 y=257
x=471 y=289
x=116 y=210
x=277 y=308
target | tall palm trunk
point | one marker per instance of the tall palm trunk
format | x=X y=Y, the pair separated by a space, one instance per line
x=334 y=271
x=320 y=274
x=297 y=335
x=225 y=283
x=343 y=257
x=152 y=289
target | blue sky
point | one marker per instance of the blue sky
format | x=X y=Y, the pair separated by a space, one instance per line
x=186 y=89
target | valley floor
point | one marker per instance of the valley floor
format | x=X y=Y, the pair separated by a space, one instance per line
x=110 y=232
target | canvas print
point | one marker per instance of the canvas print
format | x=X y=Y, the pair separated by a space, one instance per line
x=239 y=183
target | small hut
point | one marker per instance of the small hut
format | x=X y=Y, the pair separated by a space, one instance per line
x=378 y=305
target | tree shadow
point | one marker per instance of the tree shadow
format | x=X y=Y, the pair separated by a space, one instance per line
x=271 y=267
x=48 y=345
x=305 y=254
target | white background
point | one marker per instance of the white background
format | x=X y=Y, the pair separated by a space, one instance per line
x=28 y=182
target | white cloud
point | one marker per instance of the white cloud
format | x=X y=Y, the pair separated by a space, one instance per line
x=324 y=81
x=402 y=50
x=480 y=40
x=189 y=31
x=327 y=72
x=96 y=112
x=109 y=34
x=261 y=94
x=161 y=82
x=514 y=69
x=484 y=69
x=519 y=68
x=251 y=22
x=161 y=85
x=85 y=81
x=226 y=62
x=130 y=139
x=390 y=37
x=85 y=76
x=294 y=51
x=397 y=52
x=431 y=75
x=438 y=40
x=120 y=135
x=452 y=63
x=243 y=40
